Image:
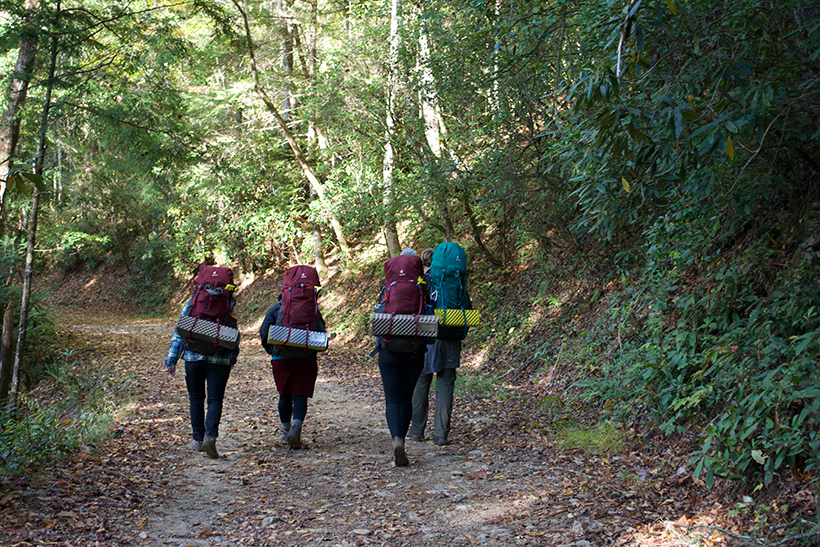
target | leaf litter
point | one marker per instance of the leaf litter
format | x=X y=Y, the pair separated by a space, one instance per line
x=502 y=481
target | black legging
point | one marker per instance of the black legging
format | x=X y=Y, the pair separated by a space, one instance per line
x=399 y=371
x=292 y=406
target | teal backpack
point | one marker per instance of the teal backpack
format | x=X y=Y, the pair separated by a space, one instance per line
x=448 y=283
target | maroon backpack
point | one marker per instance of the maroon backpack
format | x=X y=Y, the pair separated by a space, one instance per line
x=212 y=297
x=299 y=303
x=404 y=286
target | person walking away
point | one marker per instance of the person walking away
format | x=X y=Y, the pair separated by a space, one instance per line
x=294 y=369
x=401 y=358
x=448 y=282
x=207 y=366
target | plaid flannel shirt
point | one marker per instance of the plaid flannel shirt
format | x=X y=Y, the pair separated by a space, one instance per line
x=177 y=348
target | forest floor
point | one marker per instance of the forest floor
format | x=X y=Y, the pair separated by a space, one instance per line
x=504 y=480
x=499 y=483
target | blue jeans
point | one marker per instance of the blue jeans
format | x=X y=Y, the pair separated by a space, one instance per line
x=399 y=371
x=200 y=375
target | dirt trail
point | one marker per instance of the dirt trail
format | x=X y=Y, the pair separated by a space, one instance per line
x=342 y=490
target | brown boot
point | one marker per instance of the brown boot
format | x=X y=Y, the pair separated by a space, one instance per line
x=399 y=454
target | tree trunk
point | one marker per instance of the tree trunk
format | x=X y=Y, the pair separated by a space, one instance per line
x=318 y=250
x=5 y=352
x=495 y=102
x=297 y=150
x=476 y=229
x=287 y=59
x=434 y=128
x=448 y=230
x=390 y=233
x=32 y=224
x=18 y=89
x=314 y=135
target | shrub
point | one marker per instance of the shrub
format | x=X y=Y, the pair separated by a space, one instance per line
x=72 y=406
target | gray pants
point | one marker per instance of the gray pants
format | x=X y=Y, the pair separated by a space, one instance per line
x=445 y=383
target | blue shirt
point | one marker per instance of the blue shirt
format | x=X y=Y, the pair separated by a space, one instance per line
x=177 y=348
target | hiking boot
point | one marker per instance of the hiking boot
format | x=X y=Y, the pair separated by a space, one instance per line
x=209 y=447
x=416 y=436
x=196 y=446
x=284 y=432
x=294 y=436
x=399 y=455
x=440 y=441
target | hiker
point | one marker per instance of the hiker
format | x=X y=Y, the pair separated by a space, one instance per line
x=295 y=369
x=399 y=365
x=426 y=261
x=443 y=357
x=207 y=366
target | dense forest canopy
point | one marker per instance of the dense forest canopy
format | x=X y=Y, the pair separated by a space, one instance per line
x=674 y=141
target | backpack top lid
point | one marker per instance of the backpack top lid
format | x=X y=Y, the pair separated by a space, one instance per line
x=403 y=268
x=212 y=295
x=296 y=275
x=448 y=257
x=404 y=286
x=448 y=275
x=214 y=276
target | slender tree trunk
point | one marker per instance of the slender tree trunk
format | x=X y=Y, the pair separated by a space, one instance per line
x=287 y=58
x=18 y=89
x=32 y=224
x=307 y=170
x=476 y=229
x=429 y=112
x=314 y=135
x=558 y=73
x=495 y=102
x=5 y=352
x=625 y=30
x=318 y=247
x=349 y=21
x=388 y=198
x=434 y=127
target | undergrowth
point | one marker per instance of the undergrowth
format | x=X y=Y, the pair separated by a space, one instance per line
x=605 y=438
x=724 y=345
x=75 y=404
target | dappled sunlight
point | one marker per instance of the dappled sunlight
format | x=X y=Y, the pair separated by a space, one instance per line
x=479 y=513
x=475 y=360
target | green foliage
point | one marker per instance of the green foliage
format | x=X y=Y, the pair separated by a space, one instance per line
x=695 y=167
x=481 y=385
x=40 y=336
x=75 y=405
x=745 y=361
x=698 y=125
x=605 y=438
